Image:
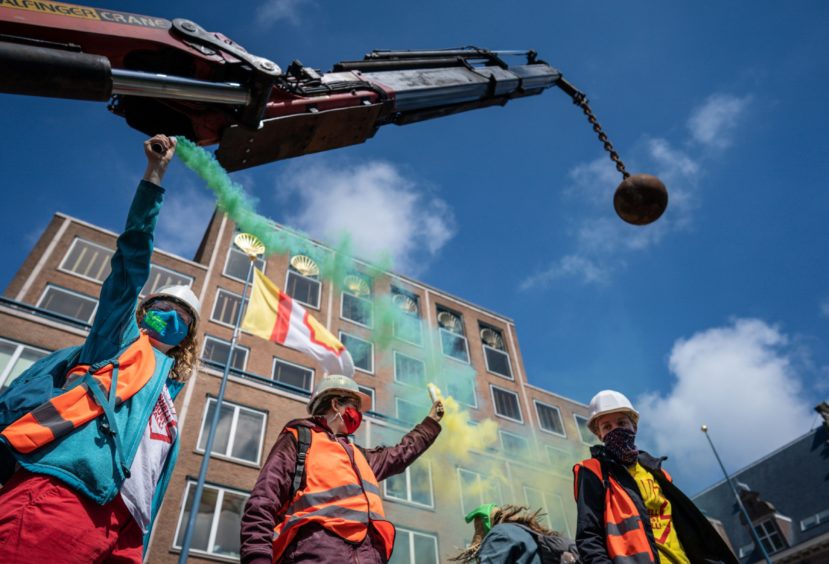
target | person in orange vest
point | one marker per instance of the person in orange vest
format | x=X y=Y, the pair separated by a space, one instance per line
x=93 y=457
x=318 y=498
x=629 y=510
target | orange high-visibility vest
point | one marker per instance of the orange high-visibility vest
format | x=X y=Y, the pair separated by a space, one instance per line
x=627 y=541
x=340 y=494
x=69 y=410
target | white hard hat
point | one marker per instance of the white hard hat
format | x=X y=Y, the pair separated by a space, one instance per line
x=338 y=385
x=177 y=293
x=610 y=401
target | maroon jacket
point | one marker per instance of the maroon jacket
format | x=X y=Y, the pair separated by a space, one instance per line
x=313 y=543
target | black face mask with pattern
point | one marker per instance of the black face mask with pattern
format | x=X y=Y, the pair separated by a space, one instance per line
x=620 y=444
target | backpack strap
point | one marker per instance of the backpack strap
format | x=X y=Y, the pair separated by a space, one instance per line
x=303 y=442
x=108 y=424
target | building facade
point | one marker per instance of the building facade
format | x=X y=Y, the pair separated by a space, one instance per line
x=471 y=351
x=786 y=496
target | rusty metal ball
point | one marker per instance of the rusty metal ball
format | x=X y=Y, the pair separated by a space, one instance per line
x=640 y=199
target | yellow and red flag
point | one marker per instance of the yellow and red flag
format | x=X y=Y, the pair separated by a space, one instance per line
x=273 y=315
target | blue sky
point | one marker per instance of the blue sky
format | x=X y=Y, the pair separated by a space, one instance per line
x=716 y=314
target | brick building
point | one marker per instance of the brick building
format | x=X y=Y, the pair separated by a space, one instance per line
x=52 y=299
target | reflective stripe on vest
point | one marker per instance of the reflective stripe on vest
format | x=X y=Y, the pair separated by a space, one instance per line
x=342 y=497
x=625 y=536
x=73 y=408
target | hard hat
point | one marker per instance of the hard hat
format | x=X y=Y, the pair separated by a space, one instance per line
x=610 y=401
x=177 y=293
x=337 y=385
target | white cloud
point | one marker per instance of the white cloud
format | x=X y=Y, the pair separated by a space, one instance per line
x=183 y=220
x=739 y=380
x=824 y=307
x=273 y=11
x=571 y=265
x=713 y=123
x=383 y=212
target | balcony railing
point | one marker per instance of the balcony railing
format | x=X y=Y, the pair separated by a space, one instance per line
x=45 y=313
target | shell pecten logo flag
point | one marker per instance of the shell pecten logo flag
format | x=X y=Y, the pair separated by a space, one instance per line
x=272 y=315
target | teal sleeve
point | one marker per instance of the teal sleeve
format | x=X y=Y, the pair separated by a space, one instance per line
x=114 y=326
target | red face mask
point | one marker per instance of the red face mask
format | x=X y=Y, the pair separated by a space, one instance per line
x=352 y=419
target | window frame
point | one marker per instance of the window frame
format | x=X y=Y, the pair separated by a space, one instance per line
x=231 y=436
x=409 y=501
x=765 y=535
x=397 y=408
x=478 y=477
x=492 y=388
x=593 y=437
x=214 y=522
x=369 y=391
x=170 y=270
x=563 y=433
x=442 y=330
x=474 y=405
x=370 y=303
x=208 y=337
x=219 y=290
x=73 y=293
x=231 y=249
x=15 y=356
x=525 y=440
x=353 y=336
x=486 y=347
x=290 y=272
x=546 y=497
x=64 y=269
x=810 y=522
x=295 y=365
x=395 y=290
x=395 y=354
x=410 y=534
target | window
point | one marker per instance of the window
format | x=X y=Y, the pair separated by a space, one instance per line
x=414 y=485
x=304 y=289
x=409 y=411
x=495 y=352
x=87 y=260
x=355 y=301
x=369 y=392
x=587 y=436
x=462 y=388
x=293 y=374
x=237 y=264
x=216 y=350
x=411 y=547
x=506 y=404
x=560 y=461
x=239 y=434
x=69 y=304
x=814 y=520
x=15 y=358
x=406 y=325
x=549 y=418
x=408 y=370
x=550 y=504
x=362 y=352
x=477 y=490
x=452 y=340
x=218 y=522
x=226 y=308
x=770 y=536
x=514 y=446
x=160 y=277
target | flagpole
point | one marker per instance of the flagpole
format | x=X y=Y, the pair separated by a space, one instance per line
x=252 y=247
x=754 y=534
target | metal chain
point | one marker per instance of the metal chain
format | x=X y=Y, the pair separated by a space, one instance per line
x=581 y=101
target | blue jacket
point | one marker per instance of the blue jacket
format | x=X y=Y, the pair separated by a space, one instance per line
x=87 y=459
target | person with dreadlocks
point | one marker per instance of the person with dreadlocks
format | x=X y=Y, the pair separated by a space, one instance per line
x=513 y=534
x=94 y=456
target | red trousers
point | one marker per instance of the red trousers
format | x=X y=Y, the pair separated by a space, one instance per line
x=44 y=520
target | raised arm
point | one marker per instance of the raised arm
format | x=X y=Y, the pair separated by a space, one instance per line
x=114 y=326
x=388 y=461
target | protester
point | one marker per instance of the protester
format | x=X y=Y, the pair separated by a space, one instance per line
x=628 y=508
x=513 y=534
x=317 y=498
x=94 y=461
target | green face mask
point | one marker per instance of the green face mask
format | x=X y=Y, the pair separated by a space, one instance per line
x=484 y=511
